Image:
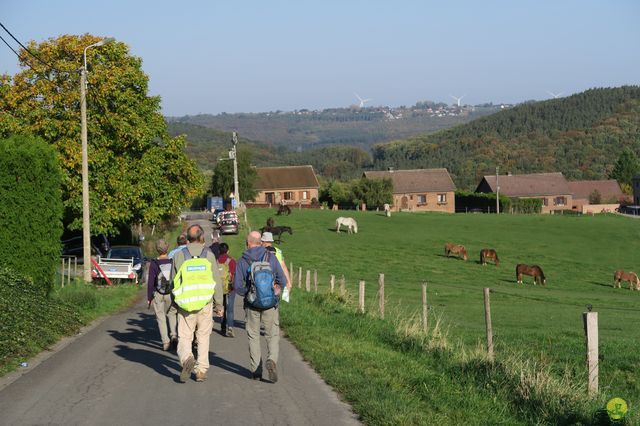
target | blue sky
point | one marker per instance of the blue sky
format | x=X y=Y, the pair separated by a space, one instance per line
x=250 y=56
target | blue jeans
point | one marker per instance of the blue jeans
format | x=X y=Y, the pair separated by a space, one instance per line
x=229 y=301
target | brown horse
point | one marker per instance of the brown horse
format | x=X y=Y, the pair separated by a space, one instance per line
x=535 y=271
x=455 y=249
x=270 y=222
x=632 y=277
x=283 y=210
x=489 y=254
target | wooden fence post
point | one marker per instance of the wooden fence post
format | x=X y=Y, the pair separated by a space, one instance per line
x=75 y=266
x=62 y=272
x=308 y=281
x=343 y=288
x=424 y=307
x=332 y=282
x=361 y=297
x=69 y=271
x=300 y=277
x=381 y=293
x=487 y=320
x=315 y=280
x=590 y=321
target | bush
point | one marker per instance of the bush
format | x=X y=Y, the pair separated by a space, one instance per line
x=29 y=319
x=526 y=205
x=466 y=201
x=31 y=209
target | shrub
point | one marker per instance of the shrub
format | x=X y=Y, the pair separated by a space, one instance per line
x=476 y=200
x=29 y=319
x=31 y=209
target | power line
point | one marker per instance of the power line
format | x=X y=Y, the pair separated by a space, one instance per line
x=25 y=48
x=9 y=46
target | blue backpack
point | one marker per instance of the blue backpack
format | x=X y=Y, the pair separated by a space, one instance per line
x=261 y=293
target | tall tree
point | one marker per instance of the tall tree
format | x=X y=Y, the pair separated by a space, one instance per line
x=626 y=167
x=222 y=181
x=136 y=171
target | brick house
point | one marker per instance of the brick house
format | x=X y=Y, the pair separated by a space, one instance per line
x=420 y=189
x=290 y=184
x=552 y=188
x=610 y=192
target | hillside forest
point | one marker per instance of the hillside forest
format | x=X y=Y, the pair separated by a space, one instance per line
x=581 y=136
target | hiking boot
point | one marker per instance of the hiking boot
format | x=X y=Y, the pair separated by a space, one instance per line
x=272 y=371
x=230 y=332
x=256 y=375
x=166 y=346
x=201 y=376
x=187 y=368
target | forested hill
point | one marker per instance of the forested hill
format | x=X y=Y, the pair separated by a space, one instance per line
x=580 y=135
x=205 y=146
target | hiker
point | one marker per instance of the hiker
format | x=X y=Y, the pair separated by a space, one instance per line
x=197 y=290
x=159 y=293
x=216 y=240
x=260 y=279
x=227 y=269
x=267 y=242
x=182 y=243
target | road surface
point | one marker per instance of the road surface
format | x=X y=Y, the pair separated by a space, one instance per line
x=117 y=374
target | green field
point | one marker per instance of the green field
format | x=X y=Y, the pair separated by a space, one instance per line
x=578 y=255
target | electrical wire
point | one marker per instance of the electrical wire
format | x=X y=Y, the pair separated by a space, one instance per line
x=26 y=48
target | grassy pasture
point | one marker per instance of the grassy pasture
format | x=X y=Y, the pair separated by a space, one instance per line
x=577 y=254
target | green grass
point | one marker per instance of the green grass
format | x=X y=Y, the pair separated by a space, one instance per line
x=544 y=324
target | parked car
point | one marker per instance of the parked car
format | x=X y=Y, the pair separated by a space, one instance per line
x=216 y=216
x=73 y=246
x=228 y=222
x=129 y=252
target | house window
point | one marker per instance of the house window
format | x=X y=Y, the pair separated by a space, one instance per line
x=270 y=197
x=545 y=201
x=422 y=199
x=288 y=195
x=442 y=198
x=560 y=201
x=305 y=195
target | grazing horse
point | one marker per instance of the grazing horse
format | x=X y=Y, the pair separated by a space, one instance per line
x=489 y=254
x=632 y=277
x=535 y=271
x=277 y=231
x=455 y=249
x=349 y=222
x=283 y=209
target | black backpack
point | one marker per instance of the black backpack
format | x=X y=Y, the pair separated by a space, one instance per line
x=163 y=284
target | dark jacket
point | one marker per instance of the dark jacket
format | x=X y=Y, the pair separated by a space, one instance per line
x=153 y=273
x=240 y=282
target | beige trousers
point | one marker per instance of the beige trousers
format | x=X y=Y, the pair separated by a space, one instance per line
x=201 y=323
x=165 y=310
x=271 y=320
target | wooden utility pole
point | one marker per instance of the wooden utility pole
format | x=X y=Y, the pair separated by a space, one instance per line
x=487 y=320
x=497 y=192
x=590 y=321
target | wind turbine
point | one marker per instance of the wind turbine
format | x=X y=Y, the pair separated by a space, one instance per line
x=555 y=95
x=458 y=99
x=362 y=101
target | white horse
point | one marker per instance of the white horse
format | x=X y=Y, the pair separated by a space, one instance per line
x=387 y=210
x=349 y=222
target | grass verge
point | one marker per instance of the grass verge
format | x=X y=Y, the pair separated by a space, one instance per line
x=394 y=373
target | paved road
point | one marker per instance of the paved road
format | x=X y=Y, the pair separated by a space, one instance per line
x=117 y=374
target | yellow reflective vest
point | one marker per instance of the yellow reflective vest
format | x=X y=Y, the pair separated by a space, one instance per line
x=193 y=285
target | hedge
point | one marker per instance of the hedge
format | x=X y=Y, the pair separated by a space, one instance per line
x=29 y=319
x=31 y=209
